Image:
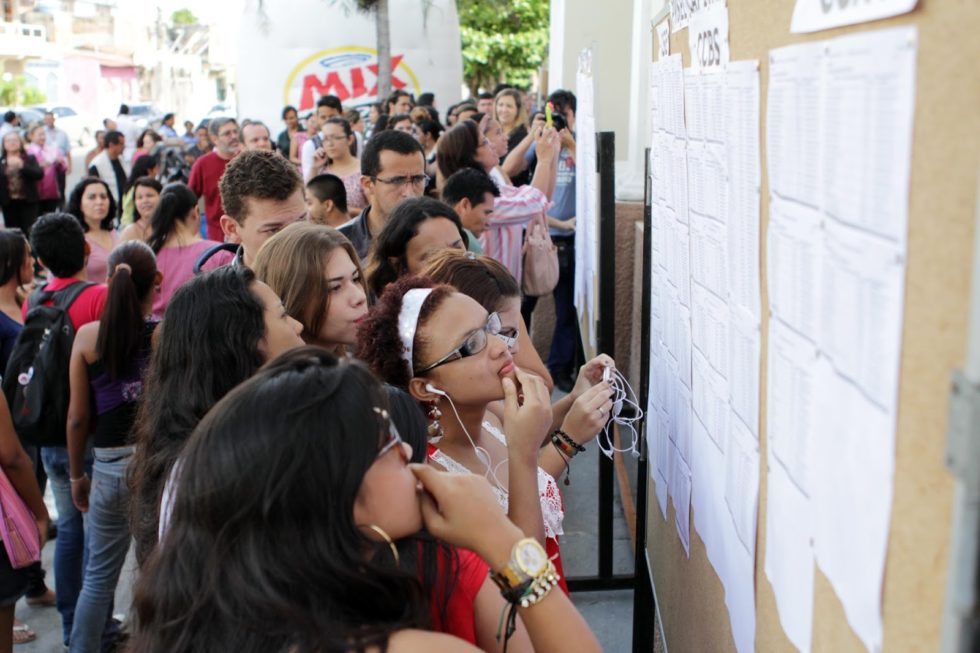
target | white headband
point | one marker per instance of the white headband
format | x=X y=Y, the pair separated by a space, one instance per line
x=408 y=322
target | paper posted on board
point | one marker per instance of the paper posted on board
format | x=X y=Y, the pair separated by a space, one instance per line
x=816 y=15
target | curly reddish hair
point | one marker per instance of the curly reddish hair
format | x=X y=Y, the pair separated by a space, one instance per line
x=378 y=342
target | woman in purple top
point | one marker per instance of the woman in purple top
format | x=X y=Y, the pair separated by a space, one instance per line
x=108 y=360
x=175 y=238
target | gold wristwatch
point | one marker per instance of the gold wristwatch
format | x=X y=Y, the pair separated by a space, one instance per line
x=528 y=561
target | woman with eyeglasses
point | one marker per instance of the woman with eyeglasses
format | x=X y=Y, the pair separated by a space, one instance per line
x=301 y=529
x=447 y=351
x=335 y=157
x=416 y=230
x=493 y=287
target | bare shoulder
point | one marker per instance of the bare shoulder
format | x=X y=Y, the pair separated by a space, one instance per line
x=85 y=339
x=410 y=641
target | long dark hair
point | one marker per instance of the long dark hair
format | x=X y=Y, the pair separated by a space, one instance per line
x=262 y=552
x=12 y=252
x=132 y=271
x=142 y=168
x=75 y=204
x=457 y=148
x=388 y=261
x=207 y=344
x=143 y=182
x=176 y=202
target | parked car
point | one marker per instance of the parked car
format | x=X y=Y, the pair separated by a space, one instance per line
x=146 y=115
x=27 y=115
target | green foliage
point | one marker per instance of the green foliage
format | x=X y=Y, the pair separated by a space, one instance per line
x=503 y=40
x=16 y=92
x=183 y=17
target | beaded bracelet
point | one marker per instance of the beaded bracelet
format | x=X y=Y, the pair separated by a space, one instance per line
x=533 y=593
x=569 y=441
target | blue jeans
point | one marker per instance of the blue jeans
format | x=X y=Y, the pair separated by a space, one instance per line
x=108 y=542
x=69 y=548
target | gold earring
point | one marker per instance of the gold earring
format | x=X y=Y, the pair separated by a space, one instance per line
x=387 y=538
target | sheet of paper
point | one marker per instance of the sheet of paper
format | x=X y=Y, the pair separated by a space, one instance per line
x=854 y=458
x=709 y=254
x=708 y=38
x=710 y=319
x=586 y=196
x=741 y=126
x=793 y=123
x=742 y=482
x=867 y=108
x=681 y=498
x=816 y=15
x=710 y=399
x=789 y=555
x=863 y=292
x=663 y=39
x=708 y=495
x=745 y=357
x=791 y=422
x=795 y=244
x=839 y=132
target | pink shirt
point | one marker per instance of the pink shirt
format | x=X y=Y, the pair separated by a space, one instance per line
x=176 y=264
x=98 y=259
x=355 y=194
x=503 y=239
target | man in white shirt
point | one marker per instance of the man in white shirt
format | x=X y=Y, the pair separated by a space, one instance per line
x=129 y=129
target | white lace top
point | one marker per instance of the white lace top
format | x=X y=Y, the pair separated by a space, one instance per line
x=551 y=508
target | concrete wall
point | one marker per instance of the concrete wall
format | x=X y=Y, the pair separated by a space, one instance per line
x=606 y=26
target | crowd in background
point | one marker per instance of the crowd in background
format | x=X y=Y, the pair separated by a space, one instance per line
x=274 y=345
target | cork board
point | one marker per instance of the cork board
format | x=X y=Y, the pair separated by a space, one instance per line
x=942 y=197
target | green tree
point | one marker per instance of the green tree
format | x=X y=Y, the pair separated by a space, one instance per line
x=503 y=40
x=183 y=17
x=14 y=91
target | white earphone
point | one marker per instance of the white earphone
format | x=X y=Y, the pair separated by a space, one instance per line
x=431 y=388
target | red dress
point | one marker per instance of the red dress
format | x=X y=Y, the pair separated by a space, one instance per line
x=552 y=508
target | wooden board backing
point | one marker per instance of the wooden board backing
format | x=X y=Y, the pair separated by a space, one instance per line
x=945 y=159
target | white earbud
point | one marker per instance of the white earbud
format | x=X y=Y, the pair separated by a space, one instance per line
x=431 y=388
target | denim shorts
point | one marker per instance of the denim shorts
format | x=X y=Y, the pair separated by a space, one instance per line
x=13 y=582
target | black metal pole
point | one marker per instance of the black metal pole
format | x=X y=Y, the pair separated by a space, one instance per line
x=644 y=605
x=606 y=340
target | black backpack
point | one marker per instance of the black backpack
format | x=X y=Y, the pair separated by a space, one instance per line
x=36 y=380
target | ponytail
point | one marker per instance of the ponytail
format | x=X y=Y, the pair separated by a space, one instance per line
x=132 y=271
x=176 y=202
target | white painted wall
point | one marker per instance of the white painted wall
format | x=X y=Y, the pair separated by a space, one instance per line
x=620 y=33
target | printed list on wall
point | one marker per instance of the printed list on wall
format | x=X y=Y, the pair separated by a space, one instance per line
x=702 y=419
x=839 y=147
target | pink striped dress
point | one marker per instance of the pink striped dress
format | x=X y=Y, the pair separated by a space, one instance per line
x=503 y=239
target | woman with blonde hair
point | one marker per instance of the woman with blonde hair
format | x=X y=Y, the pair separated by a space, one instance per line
x=509 y=111
x=317 y=273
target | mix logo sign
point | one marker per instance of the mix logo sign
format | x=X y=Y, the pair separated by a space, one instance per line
x=349 y=72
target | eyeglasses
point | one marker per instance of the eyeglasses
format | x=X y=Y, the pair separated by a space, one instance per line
x=509 y=336
x=394 y=438
x=415 y=180
x=475 y=343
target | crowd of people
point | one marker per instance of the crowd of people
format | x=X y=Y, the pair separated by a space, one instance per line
x=297 y=371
